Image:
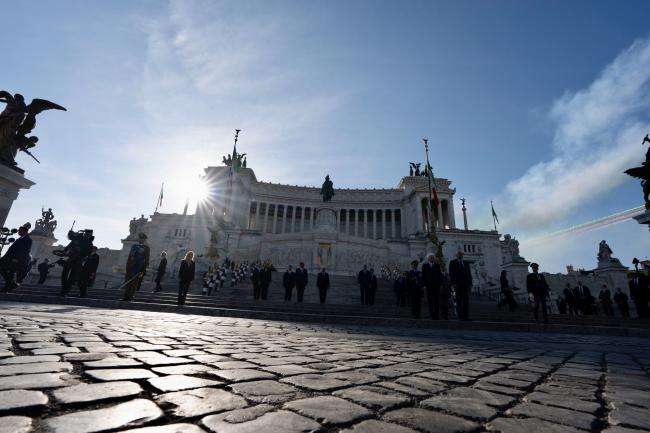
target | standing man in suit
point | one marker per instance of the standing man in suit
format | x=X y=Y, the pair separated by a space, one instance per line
x=255 y=279
x=288 y=282
x=582 y=297
x=372 y=288
x=460 y=276
x=363 y=279
x=162 y=266
x=301 y=280
x=88 y=271
x=414 y=286
x=16 y=259
x=639 y=287
x=323 y=283
x=536 y=284
x=265 y=280
x=431 y=279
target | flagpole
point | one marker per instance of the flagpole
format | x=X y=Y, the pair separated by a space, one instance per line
x=432 y=228
x=160 y=194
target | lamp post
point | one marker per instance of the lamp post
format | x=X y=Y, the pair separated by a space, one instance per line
x=4 y=237
x=432 y=235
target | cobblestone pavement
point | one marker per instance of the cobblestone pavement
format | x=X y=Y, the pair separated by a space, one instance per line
x=70 y=369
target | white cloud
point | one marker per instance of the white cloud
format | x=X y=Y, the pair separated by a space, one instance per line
x=598 y=136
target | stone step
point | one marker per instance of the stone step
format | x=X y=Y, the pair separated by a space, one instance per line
x=479 y=310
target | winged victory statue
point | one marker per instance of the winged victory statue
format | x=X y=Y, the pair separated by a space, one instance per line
x=17 y=120
x=643 y=172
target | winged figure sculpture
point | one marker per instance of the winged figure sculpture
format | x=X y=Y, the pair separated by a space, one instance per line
x=643 y=172
x=16 y=121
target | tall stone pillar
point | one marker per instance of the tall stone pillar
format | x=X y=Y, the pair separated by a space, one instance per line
x=11 y=182
x=257 y=217
x=356 y=222
x=266 y=216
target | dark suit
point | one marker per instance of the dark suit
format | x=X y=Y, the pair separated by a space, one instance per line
x=372 y=289
x=431 y=279
x=414 y=285
x=185 y=278
x=87 y=273
x=15 y=261
x=265 y=281
x=288 y=282
x=364 y=284
x=162 y=266
x=536 y=284
x=639 y=288
x=255 y=278
x=301 y=282
x=583 y=299
x=460 y=276
x=323 y=283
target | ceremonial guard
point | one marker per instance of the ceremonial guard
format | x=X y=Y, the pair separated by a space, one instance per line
x=136 y=265
x=536 y=284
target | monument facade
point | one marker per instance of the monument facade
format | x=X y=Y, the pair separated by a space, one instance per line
x=246 y=219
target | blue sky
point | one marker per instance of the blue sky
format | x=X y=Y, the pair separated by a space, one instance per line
x=535 y=105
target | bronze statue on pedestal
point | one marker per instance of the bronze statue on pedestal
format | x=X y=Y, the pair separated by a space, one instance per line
x=16 y=121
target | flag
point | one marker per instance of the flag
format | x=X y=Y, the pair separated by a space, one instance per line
x=494 y=214
x=436 y=201
x=160 y=197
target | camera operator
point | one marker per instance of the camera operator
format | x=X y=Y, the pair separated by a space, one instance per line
x=79 y=248
x=17 y=259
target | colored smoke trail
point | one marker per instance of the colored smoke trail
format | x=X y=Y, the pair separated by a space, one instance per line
x=616 y=218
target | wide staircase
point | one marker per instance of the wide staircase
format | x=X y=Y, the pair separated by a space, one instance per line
x=342 y=306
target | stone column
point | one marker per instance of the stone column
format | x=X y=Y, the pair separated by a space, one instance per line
x=440 y=218
x=392 y=222
x=384 y=215
x=284 y=220
x=267 y=206
x=275 y=218
x=356 y=223
x=374 y=224
x=365 y=223
x=302 y=219
x=257 y=216
x=420 y=216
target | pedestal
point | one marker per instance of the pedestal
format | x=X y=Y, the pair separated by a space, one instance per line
x=11 y=182
x=517 y=273
x=644 y=218
x=42 y=246
x=616 y=274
